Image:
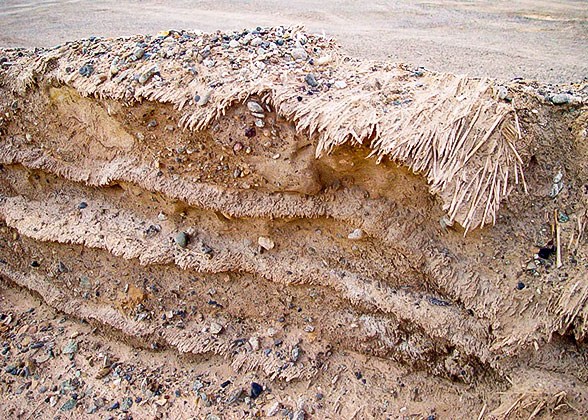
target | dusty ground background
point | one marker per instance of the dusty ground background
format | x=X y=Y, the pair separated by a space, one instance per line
x=544 y=40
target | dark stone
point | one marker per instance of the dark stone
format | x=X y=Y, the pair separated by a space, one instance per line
x=520 y=286
x=546 y=252
x=225 y=384
x=86 y=70
x=438 y=302
x=256 y=390
x=250 y=132
x=82 y=205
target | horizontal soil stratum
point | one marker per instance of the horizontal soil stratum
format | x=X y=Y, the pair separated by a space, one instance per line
x=253 y=225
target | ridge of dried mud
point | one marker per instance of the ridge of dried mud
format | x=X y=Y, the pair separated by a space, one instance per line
x=409 y=319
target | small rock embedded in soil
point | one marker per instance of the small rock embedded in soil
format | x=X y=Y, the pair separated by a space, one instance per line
x=256 y=390
x=216 y=328
x=299 y=54
x=204 y=98
x=126 y=404
x=356 y=235
x=86 y=70
x=250 y=132
x=273 y=409
x=70 y=348
x=69 y=405
x=182 y=239
x=311 y=80
x=144 y=78
x=299 y=415
x=82 y=205
x=139 y=53
x=547 y=251
x=560 y=98
x=265 y=242
x=254 y=107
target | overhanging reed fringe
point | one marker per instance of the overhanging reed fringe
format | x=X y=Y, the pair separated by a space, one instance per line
x=452 y=130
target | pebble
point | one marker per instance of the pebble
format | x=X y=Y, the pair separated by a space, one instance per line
x=520 y=285
x=265 y=242
x=321 y=61
x=250 y=132
x=139 y=53
x=82 y=205
x=340 y=84
x=295 y=353
x=273 y=409
x=299 y=415
x=126 y=404
x=204 y=98
x=560 y=98
x=182 y=239
x=259 y=123
x=254 y=342
x=256 y=390
x=215 y=328
x=69 y=405
x=299 y=54
x=254 y=107
x=70 y=348
x=86 y=70
x=502 y=92
x=85 y=282
x=310 y=79
x=234 y=43
x=235 y=396
x=148 y=74
x=356 y=235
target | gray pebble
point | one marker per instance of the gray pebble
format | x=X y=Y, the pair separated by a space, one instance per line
x=70 y=348
x=254 y=107
x=69 y=405
x=139 y=53
x=182 y=239
x=560 y=98
x=311 y=80
x=148 y=74
x=126 y=404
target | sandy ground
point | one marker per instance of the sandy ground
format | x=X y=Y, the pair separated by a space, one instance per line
x=544 y=40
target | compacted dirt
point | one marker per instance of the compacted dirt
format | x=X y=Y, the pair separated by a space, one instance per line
x=542 y=40
x=185 y=247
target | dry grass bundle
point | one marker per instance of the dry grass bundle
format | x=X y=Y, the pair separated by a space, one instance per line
x=541 y=397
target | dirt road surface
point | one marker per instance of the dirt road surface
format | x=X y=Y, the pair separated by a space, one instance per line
x=544 y=40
